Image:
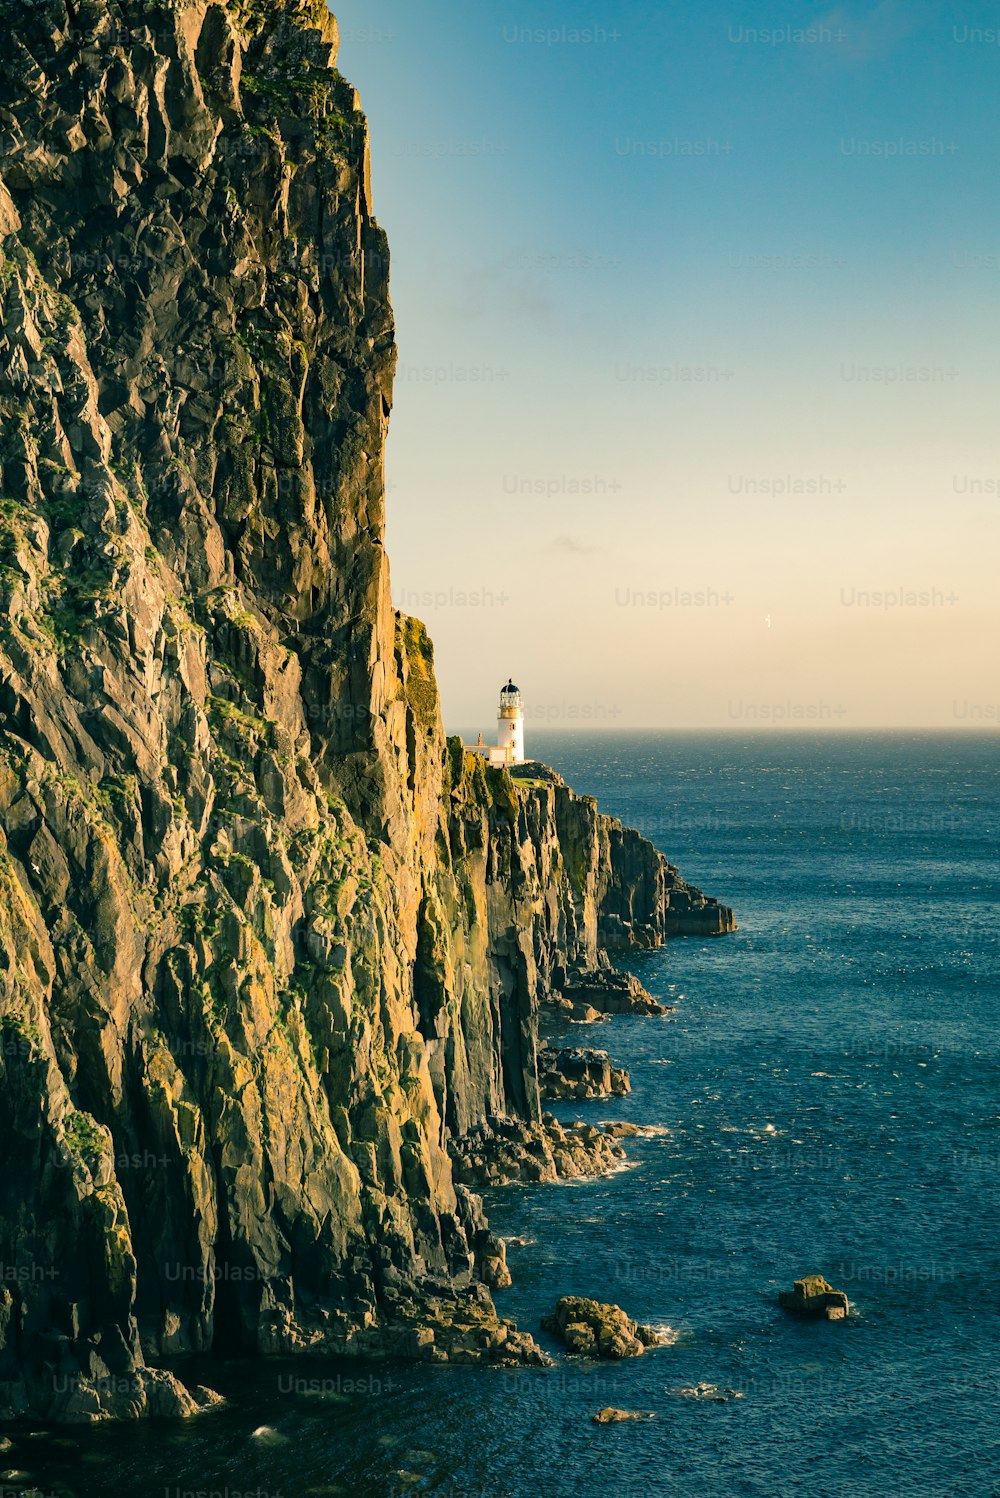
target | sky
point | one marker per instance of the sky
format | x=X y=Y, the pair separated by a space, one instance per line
x=695 y=419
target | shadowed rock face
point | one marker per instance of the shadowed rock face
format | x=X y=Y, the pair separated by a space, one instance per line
x=267 y=942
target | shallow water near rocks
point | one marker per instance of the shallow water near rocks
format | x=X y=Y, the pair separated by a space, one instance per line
x=827 y=1097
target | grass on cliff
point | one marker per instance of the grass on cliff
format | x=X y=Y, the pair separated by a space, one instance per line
x=83 y=1134
x=73 y=602
x=529 y=782
x=12 y=520
x=73 y=597
x=252 y=16
x=310 y=94
x=250 y=728
x=15 y=1025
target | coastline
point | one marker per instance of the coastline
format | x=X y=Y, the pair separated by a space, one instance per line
x=275 y=950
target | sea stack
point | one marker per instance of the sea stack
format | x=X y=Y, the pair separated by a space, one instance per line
x=812 y=1296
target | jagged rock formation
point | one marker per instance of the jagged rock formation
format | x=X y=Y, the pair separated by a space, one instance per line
x=268 y=944
x=596 y=1330
x=595 y=993
x=578 y=1072
x=500 y=1151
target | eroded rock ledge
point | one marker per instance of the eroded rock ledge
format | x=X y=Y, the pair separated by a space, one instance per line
x=501 y=1151
x=590 y=994
x=272 y=950
x=576 y=1072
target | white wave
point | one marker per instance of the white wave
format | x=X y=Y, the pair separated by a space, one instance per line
x=668 y=1335
x=267 y=1435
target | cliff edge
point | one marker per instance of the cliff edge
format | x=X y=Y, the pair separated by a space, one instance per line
x=271 y=947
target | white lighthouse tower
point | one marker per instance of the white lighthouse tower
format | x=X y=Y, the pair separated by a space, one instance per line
x=510 y=724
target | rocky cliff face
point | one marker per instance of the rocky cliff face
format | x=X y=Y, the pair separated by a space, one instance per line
x=269 y=946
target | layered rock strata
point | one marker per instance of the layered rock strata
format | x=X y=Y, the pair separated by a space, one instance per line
x=270 y=947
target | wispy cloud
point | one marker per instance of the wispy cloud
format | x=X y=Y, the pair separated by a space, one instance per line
x=501 y=288
x=569 y=546
x=874 y=32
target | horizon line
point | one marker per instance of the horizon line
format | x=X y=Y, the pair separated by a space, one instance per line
x=775 y=728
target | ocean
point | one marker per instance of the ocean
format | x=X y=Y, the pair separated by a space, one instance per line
x=826 y=1100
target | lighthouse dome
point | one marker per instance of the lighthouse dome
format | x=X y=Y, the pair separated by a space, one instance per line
x=510 y=687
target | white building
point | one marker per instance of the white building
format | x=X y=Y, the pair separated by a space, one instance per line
x=509 y=748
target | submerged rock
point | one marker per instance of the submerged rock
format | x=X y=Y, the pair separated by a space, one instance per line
x=623 y=1129
x=598 y=1330
x=611 y=1416
x=712 y=1393
x=813 y=1296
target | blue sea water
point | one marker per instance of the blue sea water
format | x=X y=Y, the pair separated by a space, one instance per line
x=826 y=1091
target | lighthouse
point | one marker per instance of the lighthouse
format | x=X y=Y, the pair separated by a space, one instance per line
x=510 y=724
x=509 y=747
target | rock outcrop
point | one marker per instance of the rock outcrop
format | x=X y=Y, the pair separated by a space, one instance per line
x=621 y=1129
x=502 y=1151
x=577 y=1072
x=596 y=1330
x=587 y=994
x=270 y=947
x=812 y=1296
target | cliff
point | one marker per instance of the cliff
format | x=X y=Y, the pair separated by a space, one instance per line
x=271 y=948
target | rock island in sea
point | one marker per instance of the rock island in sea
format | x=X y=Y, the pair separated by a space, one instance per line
x=273 y=951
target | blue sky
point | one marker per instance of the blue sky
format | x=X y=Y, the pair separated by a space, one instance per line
x=651 y=268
